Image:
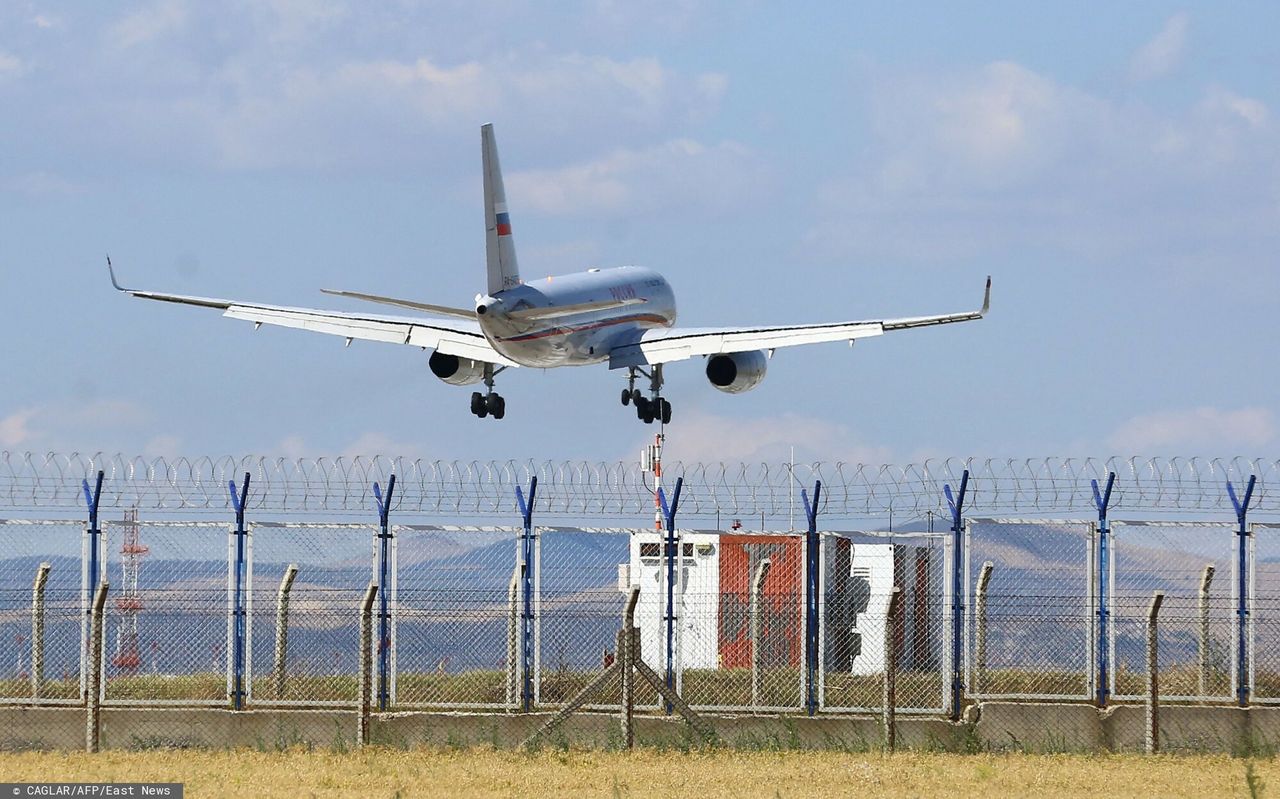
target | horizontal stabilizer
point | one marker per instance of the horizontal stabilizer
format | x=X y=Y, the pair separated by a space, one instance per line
x=554 y=311
x=439 y=310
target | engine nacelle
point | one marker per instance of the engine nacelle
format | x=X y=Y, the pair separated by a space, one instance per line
x=454 y=370
x=736 y=372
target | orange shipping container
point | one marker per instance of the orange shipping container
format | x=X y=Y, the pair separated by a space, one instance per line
x=782 y=612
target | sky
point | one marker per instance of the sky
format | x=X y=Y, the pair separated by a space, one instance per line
x=1116 y=172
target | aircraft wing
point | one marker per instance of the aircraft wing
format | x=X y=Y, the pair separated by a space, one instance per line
x=452 y=337
x=677 y=344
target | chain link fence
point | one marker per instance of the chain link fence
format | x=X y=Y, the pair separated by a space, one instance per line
x=857 y=578
x=304 y=580
x=1264 y=622
x=508 y=619
x=41 y=611
x=1193 y=563
x=1029 y=625
x=579 y=586
x=452 y=617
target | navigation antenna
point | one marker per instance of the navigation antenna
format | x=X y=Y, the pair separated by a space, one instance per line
x=129 y=603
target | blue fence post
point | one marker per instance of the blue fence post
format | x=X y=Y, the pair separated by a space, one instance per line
x=1102 y=500
x=384 y=590
x=238 y=609
x=1242 y=589
x=811 y=653
x=670 y=552
x=91 y=498
x=956 y=504
x=527 y=560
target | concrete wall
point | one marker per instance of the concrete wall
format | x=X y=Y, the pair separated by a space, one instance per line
x=1083 y=728
x=998 y=726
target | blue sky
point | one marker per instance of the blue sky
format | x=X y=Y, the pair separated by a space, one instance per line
x=1116 y=171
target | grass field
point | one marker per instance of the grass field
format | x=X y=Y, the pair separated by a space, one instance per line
x=483 y=772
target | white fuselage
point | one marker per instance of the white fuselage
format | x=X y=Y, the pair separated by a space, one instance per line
x=581 y=338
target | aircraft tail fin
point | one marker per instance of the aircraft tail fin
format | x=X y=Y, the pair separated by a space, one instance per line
x=500 y=248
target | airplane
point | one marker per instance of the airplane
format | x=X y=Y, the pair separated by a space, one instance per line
x=624 y=316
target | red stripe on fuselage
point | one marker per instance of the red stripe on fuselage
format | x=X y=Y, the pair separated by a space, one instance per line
x=564 y=331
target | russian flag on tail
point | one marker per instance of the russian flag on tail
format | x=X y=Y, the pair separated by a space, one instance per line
x=504 y=224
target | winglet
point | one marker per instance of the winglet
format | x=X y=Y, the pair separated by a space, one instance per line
x=986 y=299
x=112 y=272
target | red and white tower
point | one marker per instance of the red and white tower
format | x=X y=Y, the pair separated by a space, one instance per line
x=127 y=657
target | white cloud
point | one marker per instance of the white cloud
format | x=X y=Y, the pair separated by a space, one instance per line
x=45 y=22
x=971 y=163
x=10 y=65
x=566 y=256
x=365 y=445
x=15 y=429
x=43 y=184
x=679 y=172
x=162 y=446
x=258 y=112
x=1164 y=52
x=697 y=436
x=75 y=426
x=1208 y=430
x=377 y=443
x=154 y=22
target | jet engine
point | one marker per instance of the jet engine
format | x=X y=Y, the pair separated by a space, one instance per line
x=454 y=370
x=736 y=372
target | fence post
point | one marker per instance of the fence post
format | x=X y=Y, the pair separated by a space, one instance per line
x=980 y=627
x=366 y=663
x=282 y=629
x=956 y=504
x=889 y=709
x=1206 y=580
x=37 y=629
x=671 y=553
x=93 y=570
x=384 y=596
x=237 y=607
x=1153 y=674
x=1102 y=500
x=757 y=590
x=811 y=568
x=527 y=566
x=628 y=653
x=93 y=693
x=1242 y=589
x=513 y=638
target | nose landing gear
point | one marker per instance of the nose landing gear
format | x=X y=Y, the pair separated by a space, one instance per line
x=652 y=408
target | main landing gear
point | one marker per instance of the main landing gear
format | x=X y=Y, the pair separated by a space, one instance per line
x=491 y=402
x=652 y=408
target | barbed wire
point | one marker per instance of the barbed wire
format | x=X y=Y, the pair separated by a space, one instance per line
x=581 y=489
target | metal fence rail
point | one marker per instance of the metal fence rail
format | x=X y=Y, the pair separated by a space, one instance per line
x=450 y=489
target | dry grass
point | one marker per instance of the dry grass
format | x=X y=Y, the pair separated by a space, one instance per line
x=483 y=772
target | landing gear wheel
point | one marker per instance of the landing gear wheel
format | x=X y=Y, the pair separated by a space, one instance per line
x=496 y=406
x=664 y=411
x=477 y=404
x=642 y=407
x=636 y=396
x=626 y=396
x=649 y=413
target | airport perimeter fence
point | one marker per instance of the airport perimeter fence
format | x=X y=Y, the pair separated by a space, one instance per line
x=248 y=614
